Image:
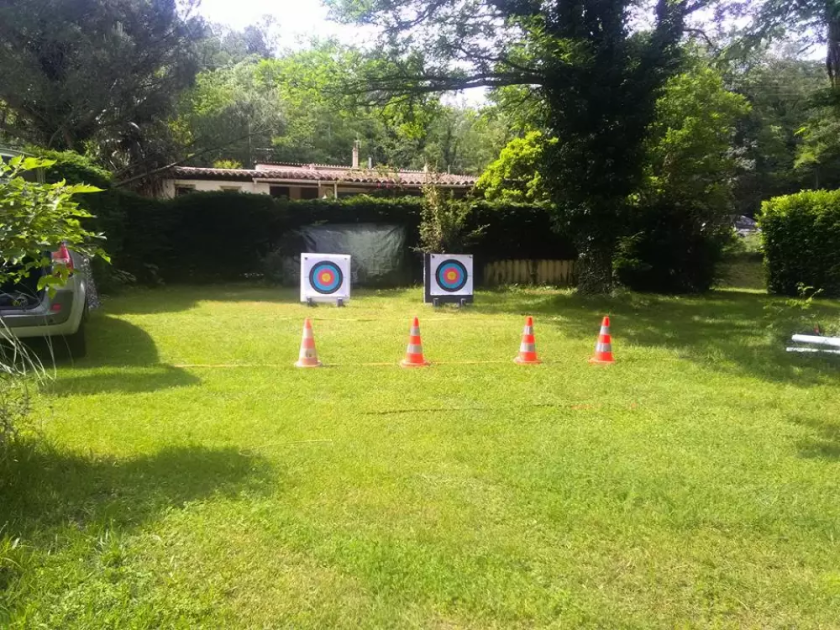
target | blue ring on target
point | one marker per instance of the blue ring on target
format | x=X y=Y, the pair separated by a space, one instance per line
x=451 y=276
x=326 y=284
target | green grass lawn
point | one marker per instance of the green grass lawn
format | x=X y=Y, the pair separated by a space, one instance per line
x=193 y=478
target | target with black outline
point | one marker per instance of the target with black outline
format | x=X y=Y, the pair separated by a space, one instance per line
x=324 y=277
x=448 y=278
x=451 y=276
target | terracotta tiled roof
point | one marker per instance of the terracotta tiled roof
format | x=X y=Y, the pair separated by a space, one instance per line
x=323 y=173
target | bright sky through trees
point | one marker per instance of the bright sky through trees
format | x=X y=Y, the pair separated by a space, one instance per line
x=298 y=20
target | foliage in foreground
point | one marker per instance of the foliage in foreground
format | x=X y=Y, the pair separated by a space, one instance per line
x=36 y=218
x=802 y=242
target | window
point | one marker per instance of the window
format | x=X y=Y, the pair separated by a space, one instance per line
x=308 y=193
x=231 y=188
x=279 y=192
x=180 y=191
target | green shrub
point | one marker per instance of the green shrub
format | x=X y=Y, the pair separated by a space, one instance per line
x=444 y=222
x=672 y=251
x=802 y=242
x=74 y=168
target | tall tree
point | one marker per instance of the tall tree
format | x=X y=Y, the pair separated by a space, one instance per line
x=107 y=72
x=598 y=78
x=812 y=22
x=781 y=92
x=229 y=114
x=683 y=212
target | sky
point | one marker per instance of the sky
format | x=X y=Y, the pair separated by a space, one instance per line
x=298 y=20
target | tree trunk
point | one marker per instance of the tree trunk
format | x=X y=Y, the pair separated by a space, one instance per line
x=832 y=18
x=595 y=270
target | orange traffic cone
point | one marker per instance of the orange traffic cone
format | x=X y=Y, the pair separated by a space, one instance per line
x=308 y=357
x=603 y=349
x=528 y=348
x=414 y=352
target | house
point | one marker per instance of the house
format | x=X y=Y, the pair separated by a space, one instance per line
x=308 y=181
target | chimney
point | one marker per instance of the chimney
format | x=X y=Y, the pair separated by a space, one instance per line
x=356 y=155
x=370 y=163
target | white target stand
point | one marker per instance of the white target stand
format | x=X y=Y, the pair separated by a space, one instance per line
x=448 y=278
x=324 y=278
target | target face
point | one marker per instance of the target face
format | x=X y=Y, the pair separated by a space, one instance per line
x=324 y=277
x=449 y=277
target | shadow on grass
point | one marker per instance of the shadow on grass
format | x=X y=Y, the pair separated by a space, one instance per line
x=121 y=358
x=53 y=503
x=824 y=443
x=44 y=488
x=126 y=381
x=176 y=298
x=739 y=332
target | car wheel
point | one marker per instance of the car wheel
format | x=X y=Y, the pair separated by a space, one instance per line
x=76 y=343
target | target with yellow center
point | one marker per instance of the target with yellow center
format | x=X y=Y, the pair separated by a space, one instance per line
x=449 y=278
x=324 y=277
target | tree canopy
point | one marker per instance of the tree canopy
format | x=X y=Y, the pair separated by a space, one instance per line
x=597 y=77
x=79 y=73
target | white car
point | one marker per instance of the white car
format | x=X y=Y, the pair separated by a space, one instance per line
x=26 y=312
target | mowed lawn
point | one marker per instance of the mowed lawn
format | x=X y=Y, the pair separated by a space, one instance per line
x=195 y=479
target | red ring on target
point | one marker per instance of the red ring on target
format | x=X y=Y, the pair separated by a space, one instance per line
x=326 y=277
x=451 y=275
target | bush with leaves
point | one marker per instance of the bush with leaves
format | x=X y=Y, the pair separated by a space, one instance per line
x=444 y=222
x=515 y=175
x=802 y=242
x=681 y=219
x=36 y=218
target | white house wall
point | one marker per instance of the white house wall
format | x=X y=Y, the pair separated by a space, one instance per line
x=258 y=187
x=204 y=185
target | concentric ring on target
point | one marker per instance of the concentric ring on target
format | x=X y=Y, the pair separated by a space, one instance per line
x=451 y=276
x=326 y=277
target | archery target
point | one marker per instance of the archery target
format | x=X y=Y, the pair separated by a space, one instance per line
x=450 y=275
x=324 y=277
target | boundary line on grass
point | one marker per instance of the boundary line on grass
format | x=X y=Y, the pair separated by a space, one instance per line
x=223 y=366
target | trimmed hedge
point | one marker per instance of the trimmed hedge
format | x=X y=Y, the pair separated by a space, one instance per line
x=226 y=235
x=802 y=242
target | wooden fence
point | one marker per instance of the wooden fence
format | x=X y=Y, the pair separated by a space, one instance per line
x=559 y=273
